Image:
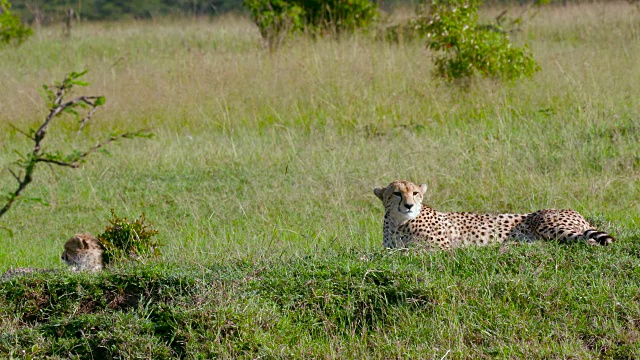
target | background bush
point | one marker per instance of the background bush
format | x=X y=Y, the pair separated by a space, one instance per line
x=466 y=49
x=277 y=18
x=11 y=29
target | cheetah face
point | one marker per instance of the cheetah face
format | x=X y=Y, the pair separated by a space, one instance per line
x=402 y=200
x=72 y=248
x=83 y=252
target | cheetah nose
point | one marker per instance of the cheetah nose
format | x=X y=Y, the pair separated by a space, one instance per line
x=408 y=206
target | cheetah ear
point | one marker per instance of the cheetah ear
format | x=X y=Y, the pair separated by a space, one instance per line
x=379 y=192
x=423 y=188
x=85 y=244
x=75 y=240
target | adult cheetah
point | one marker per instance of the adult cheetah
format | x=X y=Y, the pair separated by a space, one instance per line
x=407 y=221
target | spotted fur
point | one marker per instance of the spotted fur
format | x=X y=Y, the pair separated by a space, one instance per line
x=18 y=272
x=407 y=221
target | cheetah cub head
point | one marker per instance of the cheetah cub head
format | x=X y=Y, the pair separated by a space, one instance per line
x=402 y=200
x=83 y=252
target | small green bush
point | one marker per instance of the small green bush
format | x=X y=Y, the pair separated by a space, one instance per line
x=11 y=29
x=466 y=49
x=123 y=239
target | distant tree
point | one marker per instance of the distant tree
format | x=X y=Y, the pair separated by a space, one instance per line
x=11 y=29
x=277 y=18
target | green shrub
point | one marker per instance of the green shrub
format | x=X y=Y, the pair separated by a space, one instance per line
x=278 y=18
x=337 y=15
x=124 y=239
x=11 y=29
x=466 y=49
x=275 y=19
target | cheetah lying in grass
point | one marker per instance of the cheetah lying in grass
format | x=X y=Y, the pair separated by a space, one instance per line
x=82 y=252
x=407 y=221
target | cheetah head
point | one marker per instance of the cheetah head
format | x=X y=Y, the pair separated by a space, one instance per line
x=402 y=200
x=83 y=252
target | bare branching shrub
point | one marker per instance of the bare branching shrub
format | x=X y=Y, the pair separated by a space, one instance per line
x=58 y=105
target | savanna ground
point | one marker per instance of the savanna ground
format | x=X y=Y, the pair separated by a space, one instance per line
x=260 y=181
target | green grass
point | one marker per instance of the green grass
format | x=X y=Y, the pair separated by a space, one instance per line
x=260 y=179
x=530 y=301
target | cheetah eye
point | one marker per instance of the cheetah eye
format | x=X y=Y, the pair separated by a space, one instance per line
x=415 y=193
x=397 y=193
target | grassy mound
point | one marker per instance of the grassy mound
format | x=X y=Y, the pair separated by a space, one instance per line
x=535 y=300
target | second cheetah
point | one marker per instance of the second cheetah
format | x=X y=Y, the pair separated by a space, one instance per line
x=407 y=221
x=83 y=252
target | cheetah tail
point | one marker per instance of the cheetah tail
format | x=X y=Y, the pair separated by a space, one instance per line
x=600 y=237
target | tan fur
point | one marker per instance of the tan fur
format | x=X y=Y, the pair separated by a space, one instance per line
x=83 y=252
x=407 y=221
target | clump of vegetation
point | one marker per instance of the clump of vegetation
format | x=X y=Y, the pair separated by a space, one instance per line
x=467 y=49
x=124 y=239
x=278 y=18
x=11 y=28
